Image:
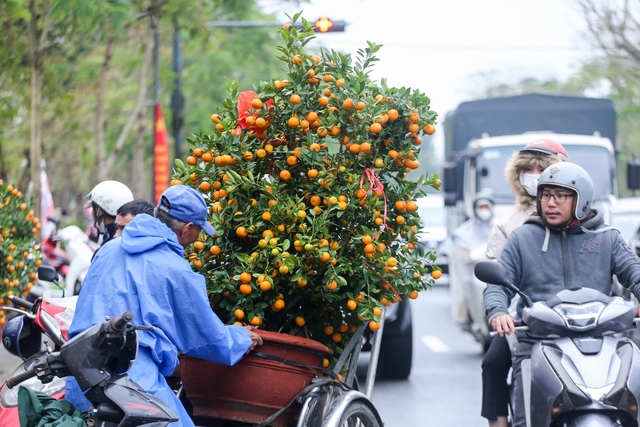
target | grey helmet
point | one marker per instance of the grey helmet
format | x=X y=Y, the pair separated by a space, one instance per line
x=573 y=177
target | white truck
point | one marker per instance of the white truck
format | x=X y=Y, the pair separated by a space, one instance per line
x=481 y=136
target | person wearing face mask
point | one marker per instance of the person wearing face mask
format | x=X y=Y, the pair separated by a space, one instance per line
x=522 y=172
x=469 y=244
x=106 y=198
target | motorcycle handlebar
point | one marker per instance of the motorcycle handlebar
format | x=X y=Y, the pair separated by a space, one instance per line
x=518 y=328
x=21 y=302
x=14 y=381
x=119 y=323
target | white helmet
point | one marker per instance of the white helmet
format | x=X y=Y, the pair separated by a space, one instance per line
x=110 y=195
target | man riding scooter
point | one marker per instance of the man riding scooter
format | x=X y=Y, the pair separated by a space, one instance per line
x=522 y=173
x=566 y=245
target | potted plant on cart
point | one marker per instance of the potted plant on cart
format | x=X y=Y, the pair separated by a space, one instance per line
x=19 y=255
x=306 y=181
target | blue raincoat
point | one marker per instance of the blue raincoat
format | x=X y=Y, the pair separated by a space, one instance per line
x=145 y=272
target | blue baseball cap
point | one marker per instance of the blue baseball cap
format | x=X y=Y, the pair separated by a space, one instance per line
x=187 y=205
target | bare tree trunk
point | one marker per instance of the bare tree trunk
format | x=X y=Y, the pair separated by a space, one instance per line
x=3 y=166
x=140 y=103
x=37 y=74
x=103 y=171
x=138 y=156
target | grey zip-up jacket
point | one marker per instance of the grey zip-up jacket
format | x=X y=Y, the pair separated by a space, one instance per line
x=542 y=261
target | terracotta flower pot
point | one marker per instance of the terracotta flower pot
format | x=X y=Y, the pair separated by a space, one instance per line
x=255 y=387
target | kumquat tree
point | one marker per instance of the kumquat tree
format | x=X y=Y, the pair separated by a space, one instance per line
x=19 y=255
x=305 y=178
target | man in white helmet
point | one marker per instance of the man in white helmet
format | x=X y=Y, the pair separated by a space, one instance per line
x=106 y=198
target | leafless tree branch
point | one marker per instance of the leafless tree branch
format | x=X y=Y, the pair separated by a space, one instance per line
x=140 y=103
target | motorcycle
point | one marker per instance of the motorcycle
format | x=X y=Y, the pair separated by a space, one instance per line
x=71 y=264
x=580 y=373
x=116 y=399
x=22 y=336
x=468 y=248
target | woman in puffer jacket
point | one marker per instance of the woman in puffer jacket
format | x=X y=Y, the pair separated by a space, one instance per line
x=522 y=173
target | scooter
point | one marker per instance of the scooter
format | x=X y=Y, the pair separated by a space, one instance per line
x=22 y=336
x=116 y=399
x=71 y=264
x=580 y=373
x=467 y=290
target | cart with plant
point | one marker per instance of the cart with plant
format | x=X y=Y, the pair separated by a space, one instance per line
x=316 y=222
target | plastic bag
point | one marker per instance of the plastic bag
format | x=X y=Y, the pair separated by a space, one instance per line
x=62 y=309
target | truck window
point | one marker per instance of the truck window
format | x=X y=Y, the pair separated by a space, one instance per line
x=597 y=162
x=490 y=165
x=626 y=222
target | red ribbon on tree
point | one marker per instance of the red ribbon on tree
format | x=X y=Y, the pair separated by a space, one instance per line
x=244 y=106
x=375 y=184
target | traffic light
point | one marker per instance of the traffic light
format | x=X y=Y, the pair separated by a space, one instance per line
x=326 y=25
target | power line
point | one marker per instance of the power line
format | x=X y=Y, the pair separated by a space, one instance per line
x=473 y=48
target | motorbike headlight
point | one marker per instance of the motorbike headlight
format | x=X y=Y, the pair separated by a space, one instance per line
x=9 y=396
x=580 y=317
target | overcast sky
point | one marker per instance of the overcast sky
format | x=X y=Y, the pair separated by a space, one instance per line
x=438 y=46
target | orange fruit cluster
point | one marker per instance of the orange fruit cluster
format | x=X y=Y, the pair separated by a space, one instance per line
x=19 y=255
x=316 y=221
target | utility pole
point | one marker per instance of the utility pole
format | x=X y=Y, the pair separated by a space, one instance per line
x=177 y=99
x=155 y=22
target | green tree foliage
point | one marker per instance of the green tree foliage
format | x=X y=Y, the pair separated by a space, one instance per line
x=74 y=48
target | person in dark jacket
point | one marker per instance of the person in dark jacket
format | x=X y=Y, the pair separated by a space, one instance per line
x=522 y=173
x=566 y=245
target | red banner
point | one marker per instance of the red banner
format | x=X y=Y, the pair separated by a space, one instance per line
x=160 y=156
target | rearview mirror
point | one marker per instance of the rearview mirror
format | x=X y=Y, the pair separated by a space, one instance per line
x=496 y=273
x=47 y=273
x=449 y=177
x=633 y=175
x=492 y=272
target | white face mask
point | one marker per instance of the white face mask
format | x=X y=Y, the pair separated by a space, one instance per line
x=484 y=214
x=530 y=183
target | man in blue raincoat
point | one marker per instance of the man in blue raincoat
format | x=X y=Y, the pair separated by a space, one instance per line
x=144 y=272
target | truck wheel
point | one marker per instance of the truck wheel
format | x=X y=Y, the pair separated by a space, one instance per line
x=396 y=352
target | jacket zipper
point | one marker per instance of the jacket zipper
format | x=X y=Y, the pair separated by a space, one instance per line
x=565 y=261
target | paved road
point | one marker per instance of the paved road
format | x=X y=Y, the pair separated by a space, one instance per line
x=444 y=388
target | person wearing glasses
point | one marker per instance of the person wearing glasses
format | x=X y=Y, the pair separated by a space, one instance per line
x=566 y=245
x=522 y=173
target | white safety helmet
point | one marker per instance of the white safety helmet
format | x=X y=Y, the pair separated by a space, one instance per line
x=110 y=195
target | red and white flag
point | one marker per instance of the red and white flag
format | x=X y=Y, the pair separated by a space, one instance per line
x=46 y=205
